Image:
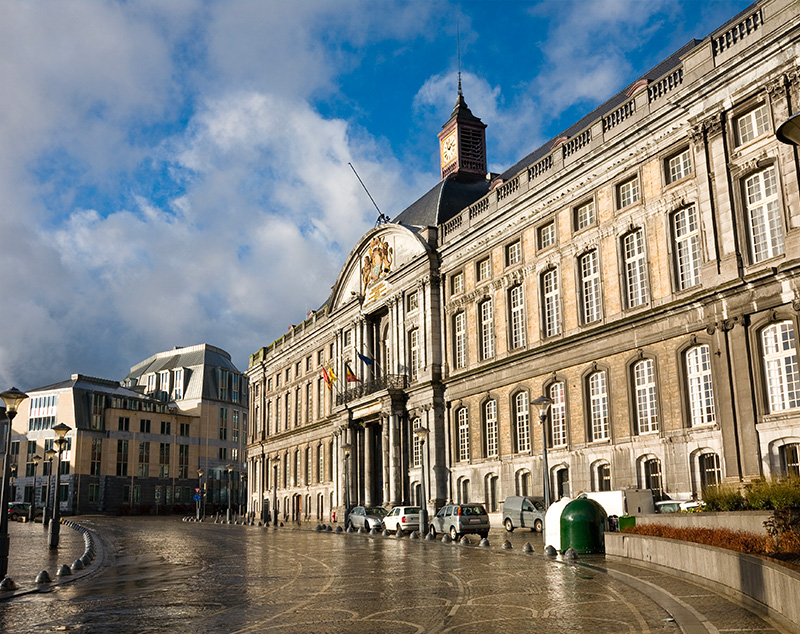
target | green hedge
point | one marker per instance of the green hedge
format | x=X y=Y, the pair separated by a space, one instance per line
x=759 y=495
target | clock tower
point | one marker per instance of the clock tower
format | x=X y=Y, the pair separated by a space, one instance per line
x=462 y=141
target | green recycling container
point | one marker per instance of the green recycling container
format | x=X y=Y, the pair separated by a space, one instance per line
x=626 y=521
x=583 y=523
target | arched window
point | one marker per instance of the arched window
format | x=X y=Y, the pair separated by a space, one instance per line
x=598 y=405
x=701 y=387
x=651 y=476
x=558 y=417
x=463 y=434
x=486 y=310
x=790 y=459
x=763 y=215
x=635 y=262
x=591 y=300
x=601 y=476
x=710 y=472
x=320 y=463
x=562 y=482
x=463 y=491
x=524 y=482
x=490 y=420
x=780 y=361
x=551 y=303
x=516 y=303
x=490 y=482
x=523 y=423
x=646 y=408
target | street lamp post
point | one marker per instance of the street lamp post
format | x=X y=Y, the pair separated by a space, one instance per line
x=55 y=522
x=242 y=497
x=544 y=403
x=12 y=398
x=230 y=470
x=32 y=511
x=275 y=463
x=346 y=449
x=422 y=434
x=50 y=454
x=199 y=492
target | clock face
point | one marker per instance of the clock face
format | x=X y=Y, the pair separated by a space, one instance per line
x=449 y=148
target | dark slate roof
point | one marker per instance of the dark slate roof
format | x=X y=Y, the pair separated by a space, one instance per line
x=673 y=61
x=445 y=200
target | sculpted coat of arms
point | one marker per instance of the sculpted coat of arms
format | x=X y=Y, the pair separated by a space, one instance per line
x=377 y=262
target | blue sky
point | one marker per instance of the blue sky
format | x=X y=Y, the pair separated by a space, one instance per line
x=176 y=172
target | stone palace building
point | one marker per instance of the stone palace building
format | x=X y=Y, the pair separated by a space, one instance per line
x=640 y=270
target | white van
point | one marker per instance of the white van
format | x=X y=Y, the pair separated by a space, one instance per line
x=624 y=501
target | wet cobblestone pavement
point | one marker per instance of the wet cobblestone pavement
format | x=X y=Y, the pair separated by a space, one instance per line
x=163 y=575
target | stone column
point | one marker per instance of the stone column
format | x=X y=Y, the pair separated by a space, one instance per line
x=391 y=436
x=369 y=467
x=385 y=459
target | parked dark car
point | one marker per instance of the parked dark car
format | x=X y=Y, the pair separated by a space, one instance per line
x=20 y=510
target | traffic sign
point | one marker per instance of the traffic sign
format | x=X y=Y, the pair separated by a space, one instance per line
x=197 y=489
x=196 y=497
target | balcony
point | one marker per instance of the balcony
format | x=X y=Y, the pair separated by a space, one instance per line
x=360 y=390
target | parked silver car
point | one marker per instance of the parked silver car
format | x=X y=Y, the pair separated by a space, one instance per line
x=367 y=517
x=461 y=519
x=404 y=518
x=523 y=512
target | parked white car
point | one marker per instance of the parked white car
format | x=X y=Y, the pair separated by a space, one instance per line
x=403 y=518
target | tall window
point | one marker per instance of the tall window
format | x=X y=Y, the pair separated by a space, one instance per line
x=635 y=268
x=223 y=423
x=628 y=193
x=309 y=403
x=490 y=416
x=183 y=461
x=96 y=456
x=287 y=402
x=487 y=329
x=598 y=404
x=320 y=398
x=523 y=422
x=412 y=301
x=584 y=215
x=589 y=266
x=417 y=445
x=413 y=346
x=516 y=302
x=546 y=235
x=457 y=283
x=163 y=460
x=484 y=269
x=309 y=465
x=701 y=387
x=298 y=400
x=558 y=415
x=685 y=229
x=320 y=463
x=763 y=215
x=463 y=434
x=752 y=124
x=514 y=253
x=679 y=165
x=460 y=341
x=177 y=384
x=144 y=460
x=780 y=361
x=551 y=303
x=122 y=457
x=645 y=389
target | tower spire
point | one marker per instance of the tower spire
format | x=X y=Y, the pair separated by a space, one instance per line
x=458 y=44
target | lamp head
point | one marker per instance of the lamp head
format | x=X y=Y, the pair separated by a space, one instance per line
x=199 y=473
x=543 y=403
x=346 y=447
x=229 y=467
x=37 y=459
x=12 y=398
x=789 y=131
x=421 y=433
x=61 y=430
x=50 y=454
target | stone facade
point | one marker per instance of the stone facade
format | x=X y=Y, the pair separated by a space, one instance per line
x=641 y=271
